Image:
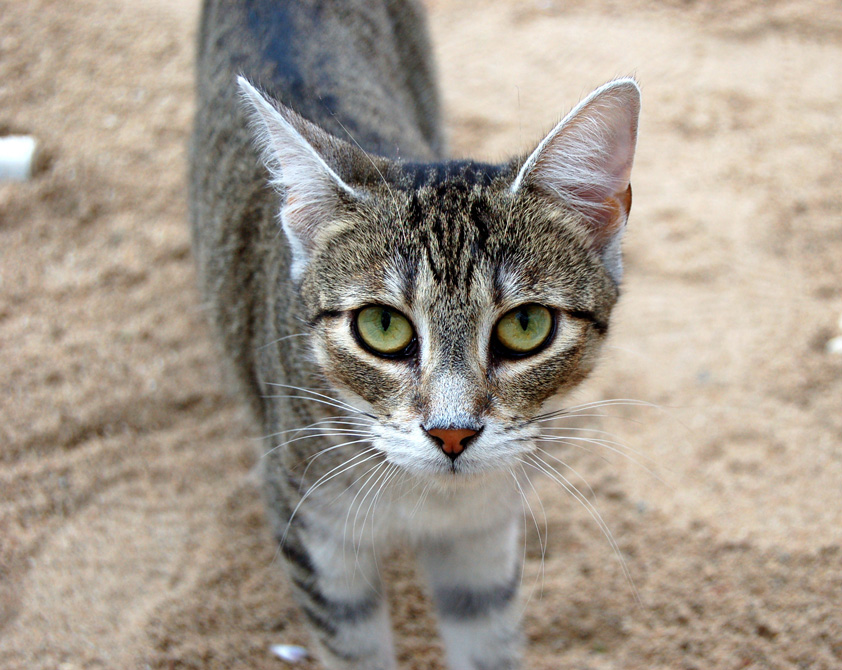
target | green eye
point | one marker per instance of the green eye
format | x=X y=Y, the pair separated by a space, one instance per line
x=524 y=329
x=384 y=331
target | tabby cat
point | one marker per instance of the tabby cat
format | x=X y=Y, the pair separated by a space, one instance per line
x=396 y=321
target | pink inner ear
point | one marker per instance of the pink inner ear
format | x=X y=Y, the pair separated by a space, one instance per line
x=586 y=161
x=310 y=186
x=611 y=217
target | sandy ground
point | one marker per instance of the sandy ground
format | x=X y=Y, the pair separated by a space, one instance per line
x=131 y=532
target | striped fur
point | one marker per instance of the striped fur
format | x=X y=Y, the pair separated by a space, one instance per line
x=372 y=214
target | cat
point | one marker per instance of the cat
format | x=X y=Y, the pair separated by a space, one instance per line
x=396 y=321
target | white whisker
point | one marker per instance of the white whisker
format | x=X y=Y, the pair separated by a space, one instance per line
x=391 y=471
x=539 y=464
x=371 y=472
x=281 y=339
x=568 y=467
x=315 y=435
x=303 y=389
x=526 y=506
x=337 y=421
x=620 y=449
x=323 y=402
x=575 y=410
x=421 y=499
x=326 y=450
x=330 y=474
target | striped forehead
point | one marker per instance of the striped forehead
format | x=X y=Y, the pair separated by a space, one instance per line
x=449 y=220
x=452 y=324
x=474 y=290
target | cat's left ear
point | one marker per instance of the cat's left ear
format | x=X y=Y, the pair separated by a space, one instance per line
x=585 y=163
x=313 y=193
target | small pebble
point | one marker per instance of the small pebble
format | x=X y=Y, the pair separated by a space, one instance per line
x=17 y=153
x=289 y=652
x=834 y=346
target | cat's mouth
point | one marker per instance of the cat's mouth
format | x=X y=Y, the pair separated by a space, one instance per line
x=453 y=454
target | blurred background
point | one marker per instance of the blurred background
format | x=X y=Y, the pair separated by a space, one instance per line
x=131 y=529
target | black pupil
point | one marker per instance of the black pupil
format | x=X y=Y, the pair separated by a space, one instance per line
x=523 y=319
x=385 y=319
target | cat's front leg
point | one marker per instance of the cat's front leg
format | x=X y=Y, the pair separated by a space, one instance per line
x=340 y=594
x=475 y=578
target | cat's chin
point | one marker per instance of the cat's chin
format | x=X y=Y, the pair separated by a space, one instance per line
x=459 y=481
x=457 y=477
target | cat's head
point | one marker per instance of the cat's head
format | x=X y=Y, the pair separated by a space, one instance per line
x=453 y=300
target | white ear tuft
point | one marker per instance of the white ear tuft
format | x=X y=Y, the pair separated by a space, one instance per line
x=310 y=188
x=585 y=163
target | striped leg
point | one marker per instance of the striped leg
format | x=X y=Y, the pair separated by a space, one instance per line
x=475 y=580
x=341 y=597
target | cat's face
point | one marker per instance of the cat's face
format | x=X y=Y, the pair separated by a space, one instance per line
x=451 y=301
x=455 y=306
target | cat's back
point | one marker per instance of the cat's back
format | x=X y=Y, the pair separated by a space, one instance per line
x=357 y=68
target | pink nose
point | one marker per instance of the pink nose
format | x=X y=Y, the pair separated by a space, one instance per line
x=452 y=440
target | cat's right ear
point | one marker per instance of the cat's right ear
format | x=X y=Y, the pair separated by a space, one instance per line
x=585 y=164
x=311 y=190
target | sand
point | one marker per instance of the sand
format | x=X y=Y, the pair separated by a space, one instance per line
x=131 y=529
